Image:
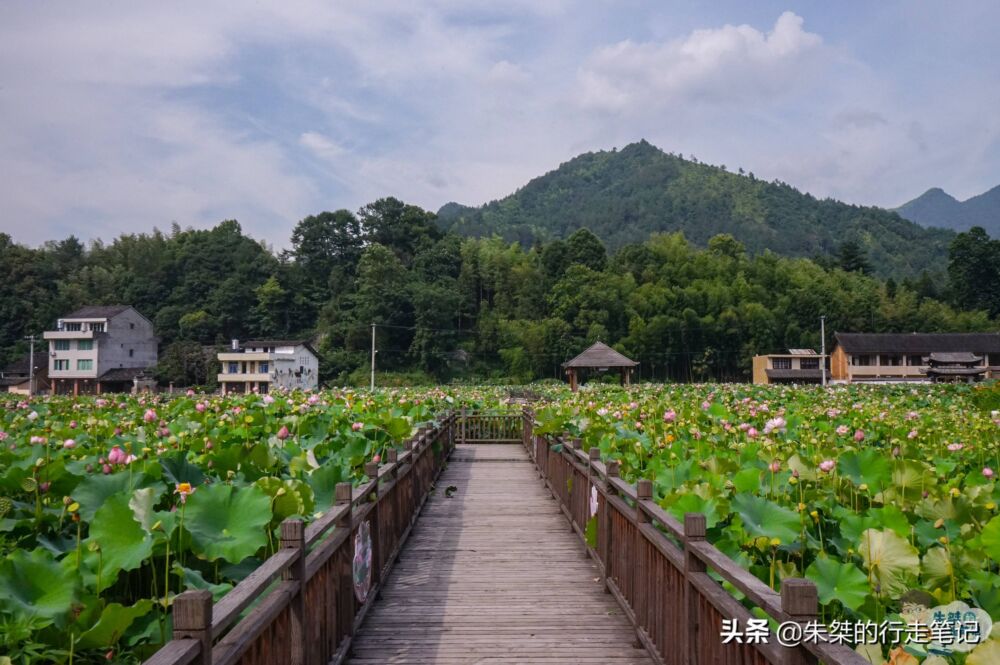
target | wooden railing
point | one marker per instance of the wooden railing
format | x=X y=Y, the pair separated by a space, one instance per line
x=305 y=606
x=489 y=426
x=664 y=574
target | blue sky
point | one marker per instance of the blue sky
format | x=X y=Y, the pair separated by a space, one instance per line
x=123 y=116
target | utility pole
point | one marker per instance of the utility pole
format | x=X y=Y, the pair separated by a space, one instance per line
x=822 y=344
x=31 y=366
x=373 y=358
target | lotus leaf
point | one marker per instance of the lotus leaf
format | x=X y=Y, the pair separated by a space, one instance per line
x=890 y=560
x=836 y=580
x=115 y=620
x=34 y=584
x=226 y=522
x=762 y=517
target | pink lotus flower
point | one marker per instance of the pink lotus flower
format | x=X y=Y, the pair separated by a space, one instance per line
x=987 y=472
x=72 y=424
x=282 y=433
x=149 y=416
x=752 y=432
x=774 y=424
x=912 y=434
x=200 y=407
x=827 y=465
x=376 y=458
x=706 y=405
x=116 y=456
x=775 y=466
x=357 y=427
x=101 y=403
x=842 y=430
x=955 y=447
x=190 y=393
x=69 y=443
x=37 y=439
x=106 y=469
x=313 y=399
x=3 y=435
x=268 y=399
x=670 y=416
x=859 y=435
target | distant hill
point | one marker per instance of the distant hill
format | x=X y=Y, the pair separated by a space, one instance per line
x=625 y=195
x=935 y=207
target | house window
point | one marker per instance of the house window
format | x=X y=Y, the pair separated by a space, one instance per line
x=234 y=368
x=85 y=345
x=131 y=326
x=74 y=327
x=890 y=360
x=262 y=367
x=861 y=360
x=131 y=352
x=781 y=363
x=262 y=387
x=61 y=345
x=97 y=327
x=60 y=365
x=84 y=364
x=809 y=363
x=995 y=359
x=914 y=361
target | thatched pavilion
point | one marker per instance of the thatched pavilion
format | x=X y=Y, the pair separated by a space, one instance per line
x=600 y=357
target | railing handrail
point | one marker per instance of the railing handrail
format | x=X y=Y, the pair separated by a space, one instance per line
x=673 y=539
x=198 y=622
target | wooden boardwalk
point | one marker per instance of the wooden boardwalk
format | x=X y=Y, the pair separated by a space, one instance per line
x=493 y=574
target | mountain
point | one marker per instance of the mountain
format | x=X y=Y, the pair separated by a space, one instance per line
x=935 y=207
x=625 y=195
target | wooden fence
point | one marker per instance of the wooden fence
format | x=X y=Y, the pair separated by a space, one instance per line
x=304 y=604
x=664 y=574
x=489 y=426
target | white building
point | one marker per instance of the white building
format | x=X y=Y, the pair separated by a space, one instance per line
x=263 y=365
x=100 y=349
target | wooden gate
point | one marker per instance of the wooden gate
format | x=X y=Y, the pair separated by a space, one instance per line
x=490 y=426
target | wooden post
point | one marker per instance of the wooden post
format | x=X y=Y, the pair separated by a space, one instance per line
x=371 y=470
x=461 y=431
x=800 y=603
x=643 y=492
x=192 y=613
x=609 y=548
x=293 y=536
x=345 y=583
x=694 y=531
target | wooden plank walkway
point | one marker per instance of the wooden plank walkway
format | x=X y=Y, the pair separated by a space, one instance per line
x=494 y=575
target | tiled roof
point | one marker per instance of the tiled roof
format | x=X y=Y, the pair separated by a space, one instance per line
x=124 y=373
x=803 y=374
x=600 y=355
x=919 y=342
x=20 y=366
x=97 y=312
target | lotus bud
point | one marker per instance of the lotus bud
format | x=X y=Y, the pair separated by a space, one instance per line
x=283 y=433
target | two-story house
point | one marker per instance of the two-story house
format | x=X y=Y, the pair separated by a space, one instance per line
x=263 y=365
x=796 y=366
x=906 y=357
x=100 y=349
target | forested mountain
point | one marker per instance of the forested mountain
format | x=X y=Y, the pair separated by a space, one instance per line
x=623 y=196
x=452 y=307
x=935 y=207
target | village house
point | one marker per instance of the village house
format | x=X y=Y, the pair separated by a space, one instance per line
x=101 y=349
x=796 y=366
x=263 y=365
x=914 y=357
x=17 y=376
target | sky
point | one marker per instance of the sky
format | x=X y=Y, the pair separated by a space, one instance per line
x=121 y=116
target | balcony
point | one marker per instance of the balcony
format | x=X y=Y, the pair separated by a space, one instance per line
x=243 y=378
x=68 y=334
x=237 y=356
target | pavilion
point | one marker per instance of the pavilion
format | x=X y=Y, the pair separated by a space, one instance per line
x=600 y=357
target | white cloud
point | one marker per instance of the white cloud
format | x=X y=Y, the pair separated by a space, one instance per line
x=321 y=145
x=727 y=64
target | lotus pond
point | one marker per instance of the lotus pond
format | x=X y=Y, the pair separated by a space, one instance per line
x=886 y=497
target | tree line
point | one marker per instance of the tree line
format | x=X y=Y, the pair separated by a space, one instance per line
x=448 y=307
